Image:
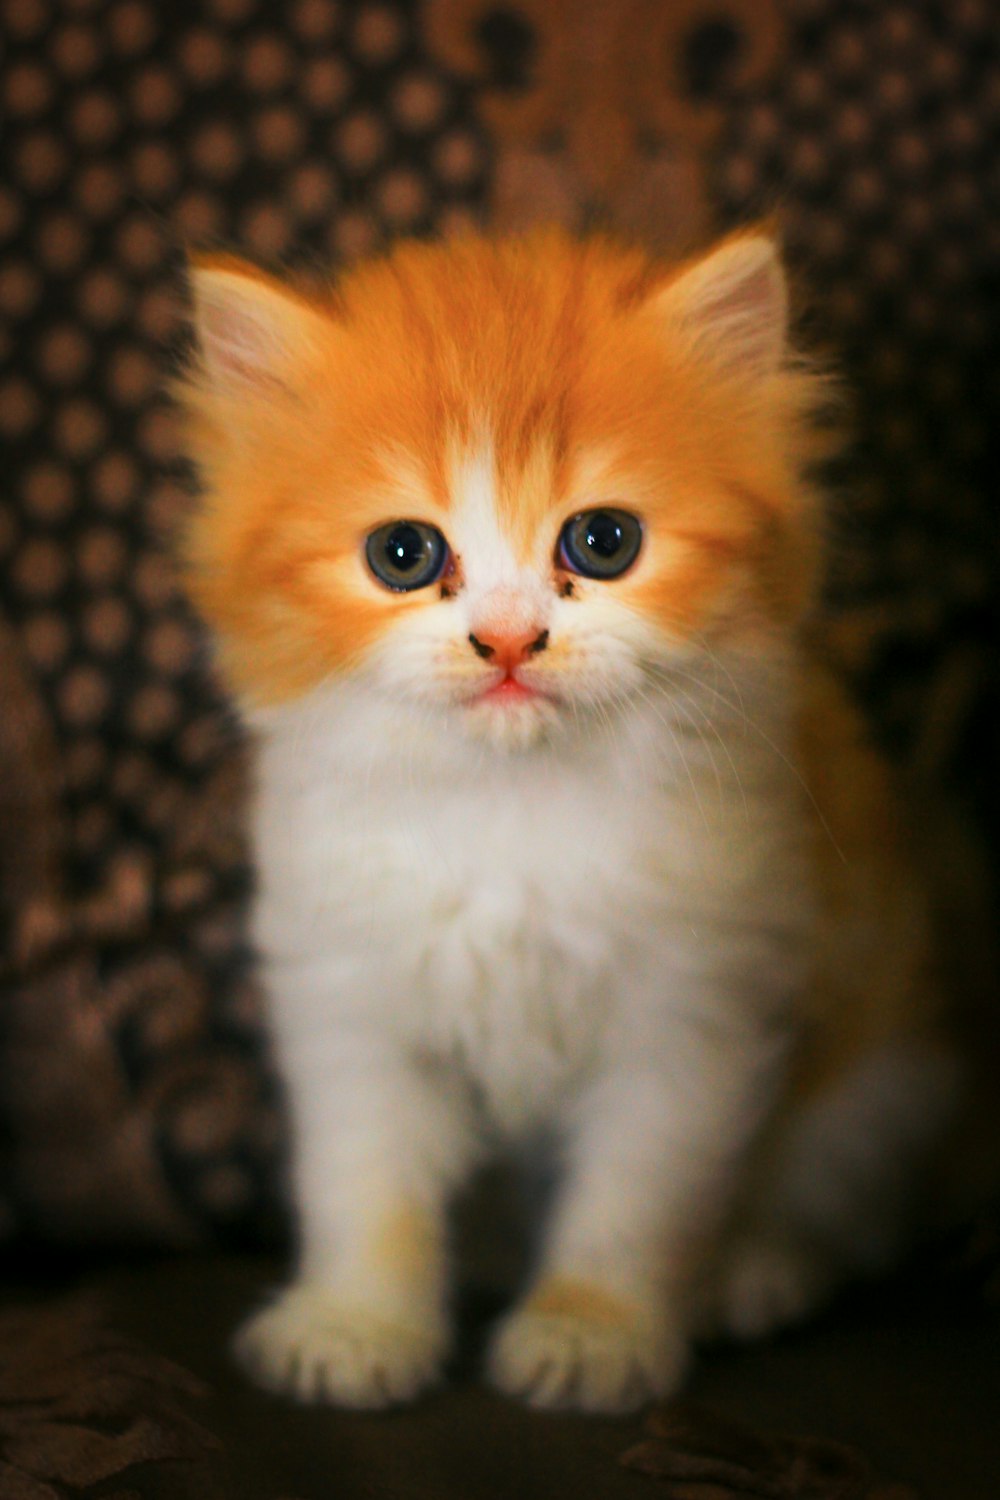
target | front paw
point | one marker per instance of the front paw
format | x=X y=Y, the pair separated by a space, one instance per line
x=575 y=1344
x=311 y=1345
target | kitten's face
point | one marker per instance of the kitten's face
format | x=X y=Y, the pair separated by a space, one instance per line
x=515 y=632
x=507 y=482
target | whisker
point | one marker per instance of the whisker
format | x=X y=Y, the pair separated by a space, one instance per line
x=720 y=666
x=711 y=724
x=678 y=745
x=668 y=676
x=699 y=731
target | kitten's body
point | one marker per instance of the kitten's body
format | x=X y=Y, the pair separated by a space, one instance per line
x=622 y=896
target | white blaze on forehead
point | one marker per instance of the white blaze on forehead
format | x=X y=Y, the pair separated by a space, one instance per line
x=478 y=537
x=499 y=590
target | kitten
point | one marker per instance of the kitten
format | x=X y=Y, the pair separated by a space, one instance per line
x=561 y=831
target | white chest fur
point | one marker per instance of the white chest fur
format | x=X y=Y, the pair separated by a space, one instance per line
x=517 y=915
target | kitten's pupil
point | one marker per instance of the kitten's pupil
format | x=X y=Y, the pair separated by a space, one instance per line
x=404 y=548
x=604 y=534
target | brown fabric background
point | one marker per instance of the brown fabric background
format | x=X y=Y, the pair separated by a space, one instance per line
x=81 y=1406
x=133 y=1097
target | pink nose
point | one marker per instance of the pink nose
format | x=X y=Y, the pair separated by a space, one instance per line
x=508 y=648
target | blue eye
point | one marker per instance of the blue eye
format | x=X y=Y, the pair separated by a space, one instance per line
x=600 y=543
x=406 y=555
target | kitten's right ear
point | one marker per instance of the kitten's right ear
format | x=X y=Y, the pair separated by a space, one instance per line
x=732 y=303
x=252 y=330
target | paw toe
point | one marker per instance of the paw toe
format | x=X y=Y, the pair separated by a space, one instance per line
x=558 y=1358
x=313 y=1347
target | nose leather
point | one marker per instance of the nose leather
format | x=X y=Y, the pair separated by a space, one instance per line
x=508 y=648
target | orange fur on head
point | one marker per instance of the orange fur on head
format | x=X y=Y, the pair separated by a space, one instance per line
x=589 y=372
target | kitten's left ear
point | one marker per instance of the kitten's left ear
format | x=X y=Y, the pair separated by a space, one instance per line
x=732 y=304
x=253 y=331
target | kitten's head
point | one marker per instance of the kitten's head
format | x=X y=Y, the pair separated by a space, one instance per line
x=506 y=480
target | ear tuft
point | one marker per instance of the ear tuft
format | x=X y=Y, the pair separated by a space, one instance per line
x=733 y=304
x=251 y=329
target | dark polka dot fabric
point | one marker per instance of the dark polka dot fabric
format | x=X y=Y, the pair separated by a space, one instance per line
x=312 y=131
x=135 y=1100
x=878 y=141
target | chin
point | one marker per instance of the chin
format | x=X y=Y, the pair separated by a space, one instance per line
x=514 y=725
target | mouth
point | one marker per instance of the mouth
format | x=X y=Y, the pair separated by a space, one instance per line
x=509 y=690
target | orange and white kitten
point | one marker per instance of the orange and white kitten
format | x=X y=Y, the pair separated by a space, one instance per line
x=561 y=833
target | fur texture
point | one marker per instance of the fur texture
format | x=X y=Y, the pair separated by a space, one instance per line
x=596 y=861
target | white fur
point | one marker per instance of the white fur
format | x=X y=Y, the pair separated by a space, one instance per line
x=586 y=914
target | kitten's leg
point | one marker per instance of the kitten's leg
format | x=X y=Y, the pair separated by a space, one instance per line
x=603 y=1327
x=377 y=1146
x=834 y=1194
